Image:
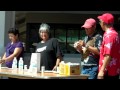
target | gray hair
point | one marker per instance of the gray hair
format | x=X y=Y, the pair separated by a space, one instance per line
x=44 y=27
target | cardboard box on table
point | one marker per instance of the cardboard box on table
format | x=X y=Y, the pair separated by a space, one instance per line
x=69 y=68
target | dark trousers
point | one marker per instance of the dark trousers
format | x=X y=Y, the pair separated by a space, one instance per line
x=90 y=70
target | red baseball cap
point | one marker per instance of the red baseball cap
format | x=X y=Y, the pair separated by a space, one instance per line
x=107 y=18
x=89 y=23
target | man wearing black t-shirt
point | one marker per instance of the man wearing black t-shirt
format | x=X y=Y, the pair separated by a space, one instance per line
x=49 y=48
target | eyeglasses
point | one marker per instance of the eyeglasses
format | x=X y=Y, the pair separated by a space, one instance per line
x=100 y=21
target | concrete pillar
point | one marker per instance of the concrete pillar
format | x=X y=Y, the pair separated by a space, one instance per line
x=7 y=20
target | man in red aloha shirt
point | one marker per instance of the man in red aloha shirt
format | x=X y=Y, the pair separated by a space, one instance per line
x=109 y=63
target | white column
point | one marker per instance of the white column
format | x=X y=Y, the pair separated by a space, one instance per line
x=7 y=20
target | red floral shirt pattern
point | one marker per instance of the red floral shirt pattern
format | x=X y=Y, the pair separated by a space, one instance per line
x=110 y=46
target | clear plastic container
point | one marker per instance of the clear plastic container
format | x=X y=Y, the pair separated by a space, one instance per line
x=42 y=70
x=25 y=68
x=20 y=65
x=14 y=64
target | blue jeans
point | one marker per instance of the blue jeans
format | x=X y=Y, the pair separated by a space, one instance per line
x=90 y=70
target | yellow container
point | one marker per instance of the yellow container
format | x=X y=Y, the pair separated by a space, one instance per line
x=62 y=68
x=66 y=69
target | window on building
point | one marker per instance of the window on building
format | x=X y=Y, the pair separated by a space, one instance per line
x=66 y=34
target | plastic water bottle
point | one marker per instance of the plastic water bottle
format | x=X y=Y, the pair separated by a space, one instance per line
x=42 y=70
x=20 y=65
x=14 y=64
x=25 y=68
